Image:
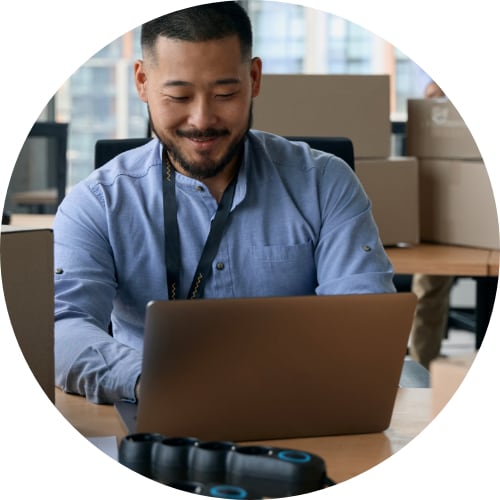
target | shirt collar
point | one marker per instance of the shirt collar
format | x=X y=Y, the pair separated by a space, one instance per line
x=243 y=172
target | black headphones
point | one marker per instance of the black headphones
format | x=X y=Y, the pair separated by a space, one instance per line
x=223 y=469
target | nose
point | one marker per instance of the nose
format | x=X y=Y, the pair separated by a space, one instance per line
x=202 y=113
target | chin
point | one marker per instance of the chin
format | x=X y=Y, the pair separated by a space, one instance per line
x=204 y=171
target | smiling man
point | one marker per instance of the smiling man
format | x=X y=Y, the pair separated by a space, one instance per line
x=208 y=208
x=199 y=96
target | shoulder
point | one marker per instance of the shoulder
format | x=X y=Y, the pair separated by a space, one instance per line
x=278 y=148
x=296 y=155
x=120 y=177
x=134 y=163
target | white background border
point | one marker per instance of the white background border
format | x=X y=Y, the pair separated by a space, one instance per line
x=44 y=42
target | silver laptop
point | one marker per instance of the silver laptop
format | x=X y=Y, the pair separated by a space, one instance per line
x=272 y=368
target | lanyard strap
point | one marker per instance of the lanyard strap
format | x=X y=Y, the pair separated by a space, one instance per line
x=172 y=241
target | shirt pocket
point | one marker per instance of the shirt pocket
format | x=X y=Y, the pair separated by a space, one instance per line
x=284 y=269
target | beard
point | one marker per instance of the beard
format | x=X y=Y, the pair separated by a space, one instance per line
x=205 y=168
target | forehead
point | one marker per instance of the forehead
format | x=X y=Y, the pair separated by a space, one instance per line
x=175 y=55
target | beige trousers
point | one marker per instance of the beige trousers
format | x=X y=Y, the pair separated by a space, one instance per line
x=431 y=316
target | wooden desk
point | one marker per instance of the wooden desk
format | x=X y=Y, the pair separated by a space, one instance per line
x=493 y=261
x=345 y=456
x=37 y=198
x=38 y=221
x=449 y=260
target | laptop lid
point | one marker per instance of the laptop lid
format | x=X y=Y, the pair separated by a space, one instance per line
x=272 y=368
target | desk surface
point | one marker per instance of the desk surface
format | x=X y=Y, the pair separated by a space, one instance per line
x=36 y=197
x=37 y=221
x=345 y=456
x=493 y=262
x=430 y=258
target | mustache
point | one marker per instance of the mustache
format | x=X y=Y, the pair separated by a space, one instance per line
x=202 y=134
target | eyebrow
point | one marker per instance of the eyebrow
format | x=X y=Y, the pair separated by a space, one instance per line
x=182 y=83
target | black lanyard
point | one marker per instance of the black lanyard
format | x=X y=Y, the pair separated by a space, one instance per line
x=172 y=242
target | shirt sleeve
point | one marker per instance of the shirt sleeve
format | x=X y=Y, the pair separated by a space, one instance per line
x=88 y=360
x=350 y=257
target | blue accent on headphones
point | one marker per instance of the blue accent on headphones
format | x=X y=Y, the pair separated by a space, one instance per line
x=299 y=457
x=228 y=491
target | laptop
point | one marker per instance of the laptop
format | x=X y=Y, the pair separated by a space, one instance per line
x=246 y=369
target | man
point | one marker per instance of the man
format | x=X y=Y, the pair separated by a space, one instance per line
x=287 y=220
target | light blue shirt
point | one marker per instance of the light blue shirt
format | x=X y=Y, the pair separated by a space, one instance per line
x=300 y=224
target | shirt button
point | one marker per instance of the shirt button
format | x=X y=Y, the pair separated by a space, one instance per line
x=199 y=189
x=219 y=266
x=367 y=248
x=59 y=270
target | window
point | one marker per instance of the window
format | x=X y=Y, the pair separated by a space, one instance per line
x=99 y=100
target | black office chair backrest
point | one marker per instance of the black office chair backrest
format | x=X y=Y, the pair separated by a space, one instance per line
x=339 y=146
x=106 y=149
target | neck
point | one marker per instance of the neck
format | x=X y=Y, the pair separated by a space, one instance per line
x=218 y=184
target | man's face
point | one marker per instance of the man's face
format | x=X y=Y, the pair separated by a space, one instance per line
x=199 y=96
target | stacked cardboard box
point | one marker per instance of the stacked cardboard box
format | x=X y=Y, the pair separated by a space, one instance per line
x=456 y=199
x=357 y=107
x=392 y=185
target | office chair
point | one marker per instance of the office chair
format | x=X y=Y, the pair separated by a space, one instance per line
x=106 y=149
x=339 y=146
x=58 y=132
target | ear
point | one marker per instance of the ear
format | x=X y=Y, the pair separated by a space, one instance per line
x=140 y=80
x=256 y=75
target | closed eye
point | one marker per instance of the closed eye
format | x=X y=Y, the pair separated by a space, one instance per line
x=178 y=98
x=226 y=95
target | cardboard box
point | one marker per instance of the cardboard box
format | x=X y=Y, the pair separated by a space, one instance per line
x=457 y=205
x=392 y=186
x=353 y=106
x=435 y=129
x=28 y=284
x=446 y=375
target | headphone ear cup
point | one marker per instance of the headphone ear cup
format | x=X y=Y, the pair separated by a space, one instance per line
x=170 y=459
x=276 y=472
x=135 y=452
x=208 y=461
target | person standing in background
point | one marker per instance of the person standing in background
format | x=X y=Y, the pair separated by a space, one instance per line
x=433 y=294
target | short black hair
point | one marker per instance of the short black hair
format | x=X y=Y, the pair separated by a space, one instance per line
x=201 y=23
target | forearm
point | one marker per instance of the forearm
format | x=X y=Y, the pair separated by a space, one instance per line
x=90 y=362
